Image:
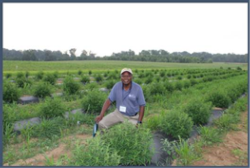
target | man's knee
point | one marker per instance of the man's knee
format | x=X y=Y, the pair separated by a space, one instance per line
x=101 y=125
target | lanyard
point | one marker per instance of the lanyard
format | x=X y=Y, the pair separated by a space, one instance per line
x=124 y=91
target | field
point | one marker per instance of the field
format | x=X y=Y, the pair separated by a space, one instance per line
x=55 y=104
x=74 y=66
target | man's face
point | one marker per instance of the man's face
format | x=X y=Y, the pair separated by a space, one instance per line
x=126 y=78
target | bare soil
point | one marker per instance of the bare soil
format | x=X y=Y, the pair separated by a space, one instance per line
x=55 y=154
x=233 y=151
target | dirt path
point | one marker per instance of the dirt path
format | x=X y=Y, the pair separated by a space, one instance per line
x=233 y=151
x=54 y=155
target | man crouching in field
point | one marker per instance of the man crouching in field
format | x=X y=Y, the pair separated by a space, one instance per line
x=130 y=102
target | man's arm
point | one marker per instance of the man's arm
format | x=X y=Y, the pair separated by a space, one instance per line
x=141 y=113
x=104 y=109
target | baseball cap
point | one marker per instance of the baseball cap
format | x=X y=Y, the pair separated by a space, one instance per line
x=126 y=70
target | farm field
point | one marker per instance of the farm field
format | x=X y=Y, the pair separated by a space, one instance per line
x=74 y=66
x=49 y=110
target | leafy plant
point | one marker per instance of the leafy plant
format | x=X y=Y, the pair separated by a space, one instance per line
x=70 y=86
x=50 y=78
x=210 y=136
x=98 y=78
x=52 y=108
x=10 y=92
x=85 y=79
x=48 y=128
x=178 y=85
x=79 y=72
x=219 y=99
x=109 y=84
x=8 y=75
x=42 y=90
x=39 y=75
x=131 y=143
x=22 y=82
x=176 y=123
x=20 y=75
x=169 y=86
x=95 y=153
x=198 y=110
x=156 y=88
x=27 y=74
x=185 y=153
x=92 y=102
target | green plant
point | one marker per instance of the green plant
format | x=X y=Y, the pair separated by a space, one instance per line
x=27 y=74
x=152 y=122
x=109 y=84
x=148 y=80
x=98 y=78
x=55 y=74
x=79 y=72
x=162 y=74
x=156 y=88
x=176 y=123
x=169 y=146
x=52 y=107
x=94 y=153
x=48 y=128
x=210 y=136
x=138 y=81
x=85 y=79
x=8 y=75
x=178 y=85
x=10 y=92
x=42 y=90
x=50 y=78
x=90 y=72
x=169 y=86
x=219 y=99
x=186 y=84
x=198 y=110
x=20 y=75
x=23 y=82
x=8 y=133
x=226 y=122
x=186 y=154
x=131 y=143
x=193 y=82
x=92 y=102
x=70 y=86
x=39 y=75
x=92 y=86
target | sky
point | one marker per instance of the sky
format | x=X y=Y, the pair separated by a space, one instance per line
x=104 y=28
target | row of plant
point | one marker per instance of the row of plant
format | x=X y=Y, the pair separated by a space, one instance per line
x=127 y=145
x=185 y=152
x=200 y=89
x=152 y=91
x=93 y=102
x=70 y=86
x=193 y=107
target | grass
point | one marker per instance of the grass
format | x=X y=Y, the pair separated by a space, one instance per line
x=242 y=157
x=156 y=105
x=23 y=150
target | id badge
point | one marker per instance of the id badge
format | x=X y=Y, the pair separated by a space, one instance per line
x=122 y=109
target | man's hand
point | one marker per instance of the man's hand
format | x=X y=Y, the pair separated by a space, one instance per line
x=98 y=118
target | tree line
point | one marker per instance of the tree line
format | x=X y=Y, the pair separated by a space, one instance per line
x=144 y=55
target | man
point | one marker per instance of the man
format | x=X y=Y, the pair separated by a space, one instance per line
x=130 y=102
